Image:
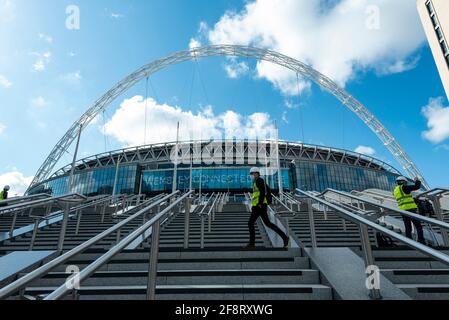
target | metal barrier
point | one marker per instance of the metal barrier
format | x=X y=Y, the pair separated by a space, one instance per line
x=364 y=224
x=21 y=283
x=440 y=223
x=210 y=214
x=70 y=198
x=155 y=224
x=24 y=199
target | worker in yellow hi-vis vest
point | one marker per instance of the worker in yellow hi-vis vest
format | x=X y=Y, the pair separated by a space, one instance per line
x=260 y=209
x=406 y=202
x=4 y=195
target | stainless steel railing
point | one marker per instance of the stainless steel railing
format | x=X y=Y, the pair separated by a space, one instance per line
x=212 y=203
x=436 y=222
x=24 y=199
x=155 y=224
x=364 y=224
x=21 y=283
x=77 y=212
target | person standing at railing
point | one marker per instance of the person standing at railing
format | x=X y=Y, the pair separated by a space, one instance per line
x=406 y=202
x=260 y=209
x=4 y=195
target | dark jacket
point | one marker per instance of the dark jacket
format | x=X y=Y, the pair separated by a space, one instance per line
x=407 y=189
x=260 y=183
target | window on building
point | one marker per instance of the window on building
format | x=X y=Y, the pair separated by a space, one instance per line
x=444 y=47
x=430 y=7
x=439 y=33
x=434 y=20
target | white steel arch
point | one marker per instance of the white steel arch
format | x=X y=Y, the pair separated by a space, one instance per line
x=230 y=51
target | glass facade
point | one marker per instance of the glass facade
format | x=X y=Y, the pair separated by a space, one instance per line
x=94 y=182
x=213 y=179
x=305 y=174
x=314 y=176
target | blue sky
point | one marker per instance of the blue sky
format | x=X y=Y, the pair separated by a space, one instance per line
x=49 y=75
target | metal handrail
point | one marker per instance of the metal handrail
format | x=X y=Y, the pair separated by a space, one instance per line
x=202 y=215
x=50 y=215
x=360 y=219
x=76 y=209
x=43 y=270
x=434 y=192
x=415 y=216
x=364 y=224
x=282 y=204
x=42 y=202
x=94 y=266
x=24 y=198
x=206 y=204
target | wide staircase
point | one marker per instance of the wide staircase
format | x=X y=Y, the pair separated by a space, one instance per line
x=416 y=274
x=224 y=269
x=214 y=264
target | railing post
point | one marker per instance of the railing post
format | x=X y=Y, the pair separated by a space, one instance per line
x=187 y=223
x=325 y=212
x=311 y=223
x=103 y=212
x=118 y=236
x=209 y=222
x=33 y=237
x=202 y=231
x=13 y=224
x=63 y=228
x=439 y=214
x=369 y=259
x=78 y=221
x=154 y=257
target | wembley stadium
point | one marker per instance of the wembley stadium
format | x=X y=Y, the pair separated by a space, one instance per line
x=150 y=170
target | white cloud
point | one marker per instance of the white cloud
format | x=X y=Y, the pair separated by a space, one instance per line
x=337 y=38
x=127 y=125
x=194 y=43
x=285 y=117
x=444 y=147
x=17 y=181
x=45 y=38
x=437 y=116
x=399 y=66
x=7 y=10
x=2 y=128
x=115 y=15
x=4 y=82
x=290 y=104
x=42 y=60
x=365 y=150
x=72 y=77
x=41 y=125
x=39 y=102
x=236 y=69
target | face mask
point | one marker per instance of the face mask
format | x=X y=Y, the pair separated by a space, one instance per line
x=253 y=178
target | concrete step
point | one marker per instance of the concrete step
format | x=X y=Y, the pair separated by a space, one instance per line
x=413 y=276
x=198 y=263
x=202 y=292
x=426 y=291
x=189 y=277
x=208 y=253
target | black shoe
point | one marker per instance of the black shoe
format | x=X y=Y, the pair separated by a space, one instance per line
x=286 y=243
x=250 y=246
